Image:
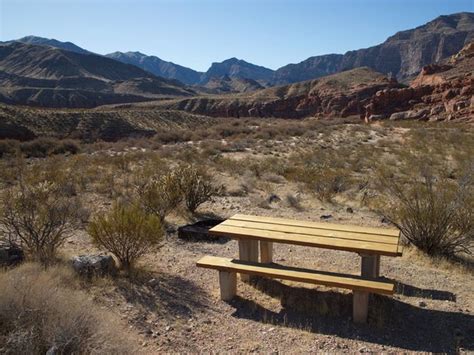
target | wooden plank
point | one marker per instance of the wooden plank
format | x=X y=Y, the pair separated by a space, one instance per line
x=400 y=250
x=248 y=251
x=369 y=266
x=360 y=306
x=312 y=231
x=331 y=226
x=228 y=285
x=306 y=240
x=295 y=274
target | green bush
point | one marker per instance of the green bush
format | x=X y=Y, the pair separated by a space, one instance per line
x=196 y=186
x=39 y=217
x=127 y=232
x=323 y=180
x=161 y=194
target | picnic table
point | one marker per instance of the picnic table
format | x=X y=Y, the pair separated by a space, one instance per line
x=256 y=233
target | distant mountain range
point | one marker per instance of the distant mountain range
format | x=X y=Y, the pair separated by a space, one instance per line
x=47 y=72
x=43 y=75
x=401 y=55
x=40 y=41
x=158 y=66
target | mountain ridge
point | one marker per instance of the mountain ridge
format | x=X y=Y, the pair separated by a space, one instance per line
x=402 y=55
x=47 y=76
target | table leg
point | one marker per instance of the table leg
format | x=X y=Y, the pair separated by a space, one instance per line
x=266 y=252
x=370 y=268
x=228 y=285
x=360 y=306
x=248 y=251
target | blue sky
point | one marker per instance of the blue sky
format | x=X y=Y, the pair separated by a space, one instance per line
x=195 y=33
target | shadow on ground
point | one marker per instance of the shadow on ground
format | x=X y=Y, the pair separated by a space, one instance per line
x=391 y=322
x=166 y=295
x=413 y=291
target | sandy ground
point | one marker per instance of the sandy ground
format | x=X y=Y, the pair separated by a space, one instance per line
x=173 y=306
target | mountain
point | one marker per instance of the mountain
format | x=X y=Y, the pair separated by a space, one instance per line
x=158 y=66
x=48 y=76
x=231 y=68
x=237 y=68
x=51 y=43
x=403 y=54
x=441 y=91
x=342 y=94
x=226 y=84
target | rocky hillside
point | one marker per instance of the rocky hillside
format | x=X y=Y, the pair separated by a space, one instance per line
x=52 y=77
x=341 y=94
x=226 y=84
x=443 y=91
x=403 y=54
x=25 y=123
x=158 y=66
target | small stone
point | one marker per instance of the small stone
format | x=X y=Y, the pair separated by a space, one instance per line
x=422 y=304
x=326 y=216
x=349 y=210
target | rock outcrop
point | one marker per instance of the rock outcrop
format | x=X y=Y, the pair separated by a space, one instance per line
x=341 y=94
x=94 y=265
x=441 y=91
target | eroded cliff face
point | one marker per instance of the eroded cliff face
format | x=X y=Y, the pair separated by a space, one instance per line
x=440 y=92
x=341 y=94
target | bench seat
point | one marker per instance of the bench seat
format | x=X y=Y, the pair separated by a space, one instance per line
x=362 y=287
x=276 y=271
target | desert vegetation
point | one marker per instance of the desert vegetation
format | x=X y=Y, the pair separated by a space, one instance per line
x=45 y=311
x=127 y=198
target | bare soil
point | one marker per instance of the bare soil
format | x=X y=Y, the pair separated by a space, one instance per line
x=173 y=306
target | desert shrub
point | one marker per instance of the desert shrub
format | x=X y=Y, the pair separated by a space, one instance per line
x=294 y=201
x=323 y=180
x=196 y=186
x=42 y=147
x=160 y=194
x=39 y=311
x=127 y=232
x=168 y=136
x=8 y=147
x=37 y=216
x=435 y=215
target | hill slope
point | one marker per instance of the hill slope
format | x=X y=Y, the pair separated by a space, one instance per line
x=340 y=94
x=47 y=76
x=158 y=66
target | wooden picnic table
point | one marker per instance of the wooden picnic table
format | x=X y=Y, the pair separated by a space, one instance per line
x=257 y=232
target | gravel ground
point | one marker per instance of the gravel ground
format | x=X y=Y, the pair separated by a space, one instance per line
x=173 y=306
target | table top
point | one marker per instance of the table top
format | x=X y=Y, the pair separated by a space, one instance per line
x=363 y=240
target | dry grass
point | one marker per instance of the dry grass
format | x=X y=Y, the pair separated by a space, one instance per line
x=39 y=311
